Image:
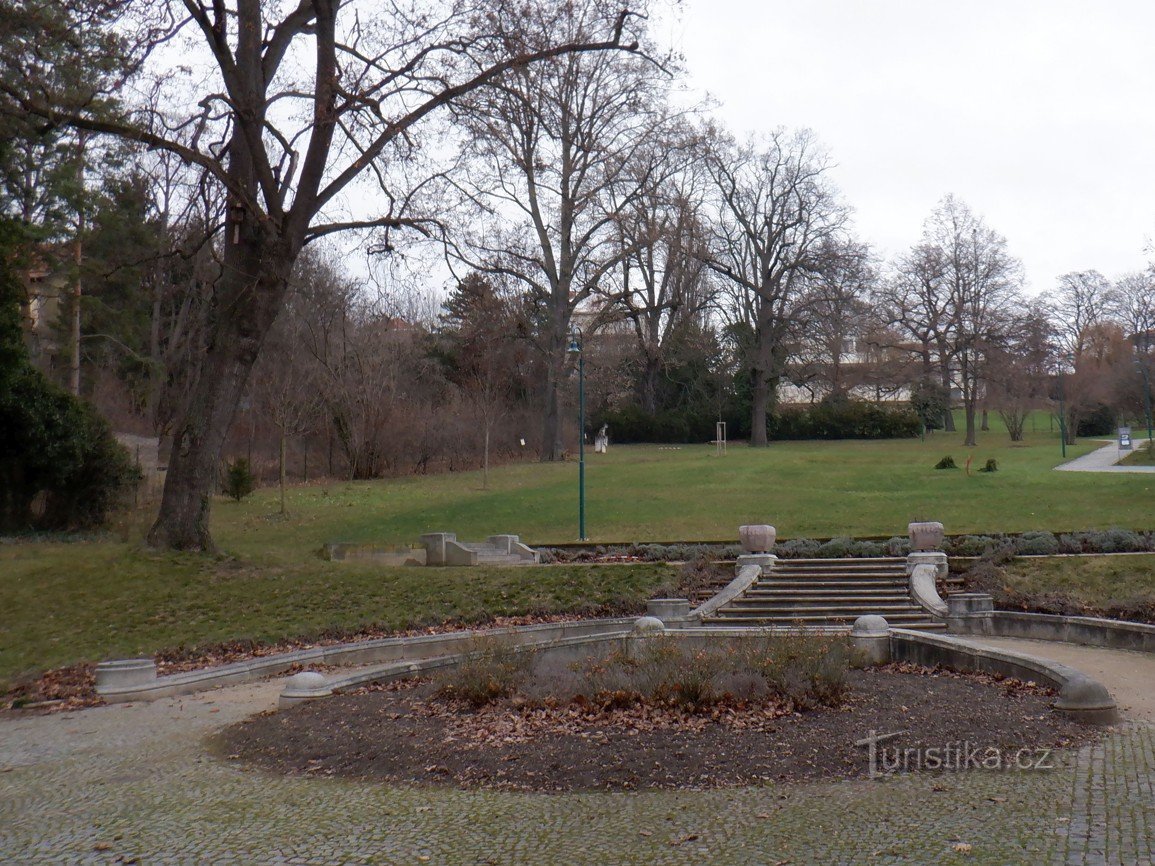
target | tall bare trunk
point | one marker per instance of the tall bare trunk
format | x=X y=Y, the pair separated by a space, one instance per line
x=552 y=447
x=250 y=292
x=281 y=467
x=485 y=469
x=759 y=404
x=77 y=287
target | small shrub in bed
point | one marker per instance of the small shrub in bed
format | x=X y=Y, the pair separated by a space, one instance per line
x=835 y=548
x=797 y=548
x=946 y=463
x=494 y=670
x=1037 y=544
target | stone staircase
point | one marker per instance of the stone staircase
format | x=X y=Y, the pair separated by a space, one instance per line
x=489 y=554
x=827 y=593
x=443 y=548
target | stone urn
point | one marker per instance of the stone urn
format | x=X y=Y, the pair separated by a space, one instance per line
x=925 y=536
x=757 y=538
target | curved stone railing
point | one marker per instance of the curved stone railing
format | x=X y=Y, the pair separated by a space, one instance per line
x=924 y=592
x=1081 y=697
x=1084 y=630
x=746 y=577
x=137 y=680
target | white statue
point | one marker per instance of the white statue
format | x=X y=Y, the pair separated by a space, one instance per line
x=602 y=440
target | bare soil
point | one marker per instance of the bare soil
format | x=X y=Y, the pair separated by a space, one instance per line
x=399 y=733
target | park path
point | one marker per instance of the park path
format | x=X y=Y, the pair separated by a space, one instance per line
x=1128 y=676
x=137 y=783
x=1101 y=460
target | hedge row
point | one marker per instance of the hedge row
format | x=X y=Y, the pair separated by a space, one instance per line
x=1036 y=543
x=844 y=420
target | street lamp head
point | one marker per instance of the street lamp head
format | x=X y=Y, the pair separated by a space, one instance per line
x=575 y=345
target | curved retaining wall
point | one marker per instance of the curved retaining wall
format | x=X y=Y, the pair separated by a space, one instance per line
x=1085 y=630
x=136 y=679
x=1080 y=697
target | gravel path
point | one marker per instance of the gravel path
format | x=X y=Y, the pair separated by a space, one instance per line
x=1101 y=460
x=1128 y=676
x=134 y=783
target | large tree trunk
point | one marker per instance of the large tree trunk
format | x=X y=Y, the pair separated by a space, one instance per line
x=250 y=293
x=650 y=374
x=552 y=447
x=759 y=406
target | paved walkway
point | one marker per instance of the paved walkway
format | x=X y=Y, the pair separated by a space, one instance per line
x=136 y=783
x=1101 y=460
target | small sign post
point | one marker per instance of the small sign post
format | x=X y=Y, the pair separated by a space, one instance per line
x=1124 y=438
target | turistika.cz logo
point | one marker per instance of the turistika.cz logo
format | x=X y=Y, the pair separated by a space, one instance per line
x=956 y=755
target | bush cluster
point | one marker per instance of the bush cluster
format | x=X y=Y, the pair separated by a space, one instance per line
x=239 y=481
x=493 y=670
x=801 y=670
x=633 y=424
x=1040 y=543
x=849 y=419
x=1100 y=421
x=60 y=466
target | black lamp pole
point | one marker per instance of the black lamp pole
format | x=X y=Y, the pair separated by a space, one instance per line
x=575 y=345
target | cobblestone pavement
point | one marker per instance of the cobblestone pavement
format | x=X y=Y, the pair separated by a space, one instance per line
x=134 y=783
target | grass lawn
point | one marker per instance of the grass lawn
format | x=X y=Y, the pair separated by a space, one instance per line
x=1143 y=455
x=644 y=493
x=1115 y=585
x=62 y=603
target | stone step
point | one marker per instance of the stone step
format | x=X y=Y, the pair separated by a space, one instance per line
x=865 y=562
x=900 y=620
x=837 y=585
x=827 y=592
x=848 y=612
x=852 y=573
x=494 y=558
x=828 y=601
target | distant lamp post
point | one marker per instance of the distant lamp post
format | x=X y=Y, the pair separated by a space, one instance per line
x=575 y=348
x=1142 y=365
x=1062 y=415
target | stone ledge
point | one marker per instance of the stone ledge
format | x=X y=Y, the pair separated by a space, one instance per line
x=365 y=652
x=747 y=576
x=1081 y=697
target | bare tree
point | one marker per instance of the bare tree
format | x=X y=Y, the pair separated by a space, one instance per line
x=1019 y=369
x=982 y=281
x=665 y=285
x=836 y=315
x=1132 y=304
x=915 y=303
x=1081 y=300
x=293 y=106
x=552 y=154
x=775 y=207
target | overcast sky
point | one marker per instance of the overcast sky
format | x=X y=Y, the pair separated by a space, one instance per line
x=1039 y=115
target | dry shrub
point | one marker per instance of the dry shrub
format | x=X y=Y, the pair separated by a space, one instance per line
x=493 y=670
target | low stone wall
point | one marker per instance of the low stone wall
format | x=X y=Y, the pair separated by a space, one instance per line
x=1080 y=697
x=136 y=679
x=385 y=554
x=1084 y=630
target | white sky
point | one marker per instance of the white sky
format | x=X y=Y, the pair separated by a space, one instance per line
x=1039 y=115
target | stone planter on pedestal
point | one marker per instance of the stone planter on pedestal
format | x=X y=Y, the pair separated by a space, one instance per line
x=925 y=536
x=757 y=538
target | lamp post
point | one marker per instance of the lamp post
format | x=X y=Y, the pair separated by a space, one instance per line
x=1146 y=394
x=1062 y=414
x=575 y=347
